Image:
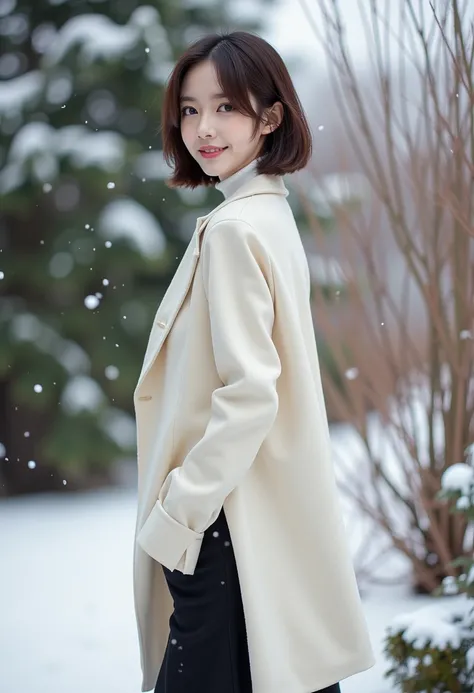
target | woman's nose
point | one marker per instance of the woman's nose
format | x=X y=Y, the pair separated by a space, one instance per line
x=205 y=127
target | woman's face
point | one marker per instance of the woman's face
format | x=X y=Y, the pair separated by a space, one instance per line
x=209 y=120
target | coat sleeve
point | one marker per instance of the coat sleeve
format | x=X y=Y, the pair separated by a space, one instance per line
x=237 y=279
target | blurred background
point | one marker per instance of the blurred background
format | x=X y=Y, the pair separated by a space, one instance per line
x=90 y=237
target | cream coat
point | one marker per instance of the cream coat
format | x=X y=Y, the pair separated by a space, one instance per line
x=245 y=428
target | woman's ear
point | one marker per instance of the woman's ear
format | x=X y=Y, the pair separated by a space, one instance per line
x=273 y=118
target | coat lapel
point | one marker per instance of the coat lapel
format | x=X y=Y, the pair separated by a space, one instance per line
x=173 y=299
x=183 y=277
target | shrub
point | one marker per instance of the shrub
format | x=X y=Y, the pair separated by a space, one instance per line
x=432 y=649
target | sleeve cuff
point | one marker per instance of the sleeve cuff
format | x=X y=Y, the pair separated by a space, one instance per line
x=166 y=540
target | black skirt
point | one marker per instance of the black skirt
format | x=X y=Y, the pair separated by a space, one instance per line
x=207 y=650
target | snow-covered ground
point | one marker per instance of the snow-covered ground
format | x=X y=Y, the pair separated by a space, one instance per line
x=66 y=602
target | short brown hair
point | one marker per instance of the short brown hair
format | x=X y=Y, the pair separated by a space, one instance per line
x=244 y=63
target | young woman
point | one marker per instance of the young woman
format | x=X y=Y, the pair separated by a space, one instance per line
x=243 y=581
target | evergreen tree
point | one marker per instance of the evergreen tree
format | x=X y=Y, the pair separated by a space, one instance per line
x=90 y=236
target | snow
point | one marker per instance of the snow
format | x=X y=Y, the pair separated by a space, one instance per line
x=43 y=36
x=16 y=27
x=91 y=302
x=463 y=503
x=145 y=16
x=96 y=36
x=126 y=218
x=43 y=145
x=433 y=624
x=458 y=477
x=28 y=328
x=20 y=92
x=60 y=86
x=66 y=597
x=105 y=149
x=86 y=148
x=450 y=585
x=7 y=6
x=111 y=372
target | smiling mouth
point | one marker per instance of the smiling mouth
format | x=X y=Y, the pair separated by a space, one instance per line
x=211 y=154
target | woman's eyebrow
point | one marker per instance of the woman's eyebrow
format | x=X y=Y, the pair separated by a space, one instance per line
x=220 y=95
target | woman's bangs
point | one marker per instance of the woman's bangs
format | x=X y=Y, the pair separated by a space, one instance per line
x=235 y=87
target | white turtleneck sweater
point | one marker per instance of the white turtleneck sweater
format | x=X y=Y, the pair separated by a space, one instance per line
x=230 y=185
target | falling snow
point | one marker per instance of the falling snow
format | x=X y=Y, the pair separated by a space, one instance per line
x=91 y=302
x=352 y=373
x=112 y=372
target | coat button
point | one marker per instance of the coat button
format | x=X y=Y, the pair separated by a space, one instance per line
x=160 y=323
x=145 y=397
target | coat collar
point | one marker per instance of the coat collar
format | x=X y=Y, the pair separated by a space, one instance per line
x=261 y=184
x=179 y=286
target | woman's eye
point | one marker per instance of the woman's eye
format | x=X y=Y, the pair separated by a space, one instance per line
x=226 y=105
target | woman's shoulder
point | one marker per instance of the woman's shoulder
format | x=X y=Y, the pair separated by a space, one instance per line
x=256 y=211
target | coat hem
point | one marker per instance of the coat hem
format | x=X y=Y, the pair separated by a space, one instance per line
x=340 y=676
x=346 y=673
